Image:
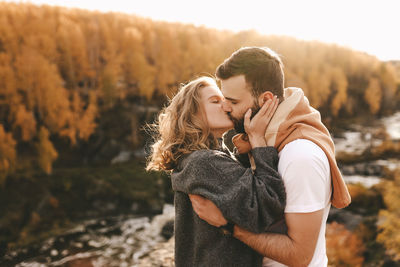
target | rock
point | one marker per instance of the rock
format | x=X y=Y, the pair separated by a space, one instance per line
x=54 y=252
x=364 y=168
x=348 y=170
x=140 y=153
x=360 y=169
x=167 y=230
x=107 y=151
x=161 y=256
x=123 y=156
x=103 y=206
x=135 y=207
x=3 y=248
x=349 y=219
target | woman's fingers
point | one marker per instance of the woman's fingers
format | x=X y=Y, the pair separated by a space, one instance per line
x=247 y=116
x=272 y=108
x=264 y=108
x=268 y=107
x=257 y=125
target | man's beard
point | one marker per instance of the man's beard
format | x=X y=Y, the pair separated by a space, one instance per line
x=238 y=123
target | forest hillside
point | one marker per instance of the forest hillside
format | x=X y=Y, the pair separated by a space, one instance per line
x=62 y=70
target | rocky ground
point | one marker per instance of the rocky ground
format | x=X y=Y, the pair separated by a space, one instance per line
x=162 y=255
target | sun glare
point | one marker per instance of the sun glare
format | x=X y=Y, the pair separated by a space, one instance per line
x=361 y=25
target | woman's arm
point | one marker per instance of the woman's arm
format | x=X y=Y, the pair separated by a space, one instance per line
x=252 y=200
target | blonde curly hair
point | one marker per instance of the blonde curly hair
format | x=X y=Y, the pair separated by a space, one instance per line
x=181 y=127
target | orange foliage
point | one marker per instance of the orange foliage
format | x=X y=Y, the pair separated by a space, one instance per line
x=54 y=202
x=47 y=153
x=81 y=122
x=344 y=248
x=86 y=122
x=7 y=154
x=339 y=87
x=387 y=146
x=356 y=190
x=25 y=121
x=373 y=95
x=389 y=219
x=60 y=68
x=7 y=81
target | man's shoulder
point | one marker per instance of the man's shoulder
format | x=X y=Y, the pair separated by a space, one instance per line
x=301 y=149
x=305 y=171
x=303 y=154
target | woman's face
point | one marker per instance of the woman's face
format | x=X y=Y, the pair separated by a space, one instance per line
x=217 y=119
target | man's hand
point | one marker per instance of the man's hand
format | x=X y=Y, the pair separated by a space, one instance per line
x=207 y=211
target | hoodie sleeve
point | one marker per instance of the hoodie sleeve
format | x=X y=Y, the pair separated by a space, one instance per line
x=252 y=200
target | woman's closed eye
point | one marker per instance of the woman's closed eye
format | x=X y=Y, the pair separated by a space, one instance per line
x=216 y=100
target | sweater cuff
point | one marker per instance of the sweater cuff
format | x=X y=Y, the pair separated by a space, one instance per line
x=263 y=155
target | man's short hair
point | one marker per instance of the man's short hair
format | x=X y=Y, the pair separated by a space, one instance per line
x=261 y=67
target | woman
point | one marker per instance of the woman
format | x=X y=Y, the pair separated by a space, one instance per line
x=187 y=145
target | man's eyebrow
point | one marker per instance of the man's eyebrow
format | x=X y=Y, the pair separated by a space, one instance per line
x=231 y=99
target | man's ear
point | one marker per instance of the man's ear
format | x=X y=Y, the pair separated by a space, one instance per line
x=264 y=97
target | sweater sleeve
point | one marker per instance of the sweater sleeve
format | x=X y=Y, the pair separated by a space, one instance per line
x=252 y=200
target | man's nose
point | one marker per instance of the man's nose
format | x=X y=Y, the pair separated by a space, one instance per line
x=226 y=106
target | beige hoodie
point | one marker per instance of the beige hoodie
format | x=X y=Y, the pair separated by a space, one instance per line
x=296 y=119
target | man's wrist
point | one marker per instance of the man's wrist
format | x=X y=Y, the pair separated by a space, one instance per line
x=240 y=233
x=237 y=231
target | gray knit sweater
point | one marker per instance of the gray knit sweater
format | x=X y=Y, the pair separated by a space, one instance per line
x=252 y=200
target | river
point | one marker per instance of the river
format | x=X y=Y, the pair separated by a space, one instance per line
x=360 y=138
x=114 y=241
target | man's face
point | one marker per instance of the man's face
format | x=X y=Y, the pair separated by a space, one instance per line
x=238 y=99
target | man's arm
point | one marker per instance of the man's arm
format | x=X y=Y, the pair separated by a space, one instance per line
x=305 y=168
x=294 y=249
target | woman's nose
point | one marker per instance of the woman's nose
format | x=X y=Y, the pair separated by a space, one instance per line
x=226 y=106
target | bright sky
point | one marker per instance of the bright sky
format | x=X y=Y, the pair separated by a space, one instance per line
x=369 y=26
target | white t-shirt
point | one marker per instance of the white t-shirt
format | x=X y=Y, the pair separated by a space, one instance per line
x=305 y=171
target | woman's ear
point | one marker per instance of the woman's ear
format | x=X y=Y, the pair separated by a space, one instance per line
x=264 y=97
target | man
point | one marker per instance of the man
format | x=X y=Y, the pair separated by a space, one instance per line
x=307 y=164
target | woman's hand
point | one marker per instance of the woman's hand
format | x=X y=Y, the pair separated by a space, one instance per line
x=256 y=128
x=207 y=210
